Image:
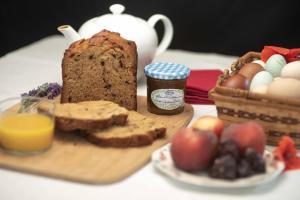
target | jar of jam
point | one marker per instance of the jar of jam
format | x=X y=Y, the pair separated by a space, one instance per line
x=166 y=87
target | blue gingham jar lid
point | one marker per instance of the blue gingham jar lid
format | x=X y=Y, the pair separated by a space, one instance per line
x=167 y=71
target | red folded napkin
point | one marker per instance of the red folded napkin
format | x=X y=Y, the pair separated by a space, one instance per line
x=198 y=84
x=287 y=152
x=289 y=54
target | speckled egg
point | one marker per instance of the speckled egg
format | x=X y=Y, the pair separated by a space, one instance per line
x=260 y=62
x=261 y=78
x=287 y=87
x=291 y=70
x=275 y=64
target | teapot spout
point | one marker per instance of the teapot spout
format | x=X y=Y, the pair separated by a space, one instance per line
x=70 y=34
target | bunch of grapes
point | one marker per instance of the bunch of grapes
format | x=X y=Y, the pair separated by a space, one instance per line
x=231 y=164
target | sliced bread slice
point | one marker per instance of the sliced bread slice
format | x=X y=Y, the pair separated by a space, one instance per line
x=87 y=115
x=139 y=131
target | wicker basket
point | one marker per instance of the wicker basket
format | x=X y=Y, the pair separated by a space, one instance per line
x=277 y=115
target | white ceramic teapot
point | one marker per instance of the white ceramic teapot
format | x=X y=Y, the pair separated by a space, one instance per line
x=132 y=28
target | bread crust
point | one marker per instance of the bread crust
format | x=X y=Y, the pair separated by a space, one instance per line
x=67 y=124
x=139 y=131
x=131 y=141
x=73 y=116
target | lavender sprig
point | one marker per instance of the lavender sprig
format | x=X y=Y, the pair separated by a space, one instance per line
x=49 y=90
x=54 y=90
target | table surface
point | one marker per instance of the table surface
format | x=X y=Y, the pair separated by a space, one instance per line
x=39 y=62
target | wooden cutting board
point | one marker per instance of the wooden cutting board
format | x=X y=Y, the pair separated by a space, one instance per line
x=73 y=158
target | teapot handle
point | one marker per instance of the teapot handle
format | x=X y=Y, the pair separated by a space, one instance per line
x=168 y=31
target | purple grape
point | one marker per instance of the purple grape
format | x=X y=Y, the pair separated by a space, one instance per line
x=259 y=165
x=244 y=169
x=250 y=155
x=224 y=167
x=255 y=160
x=229 y=147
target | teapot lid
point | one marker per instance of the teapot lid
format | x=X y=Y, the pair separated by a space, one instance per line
x=117 y=9
x=116 y=16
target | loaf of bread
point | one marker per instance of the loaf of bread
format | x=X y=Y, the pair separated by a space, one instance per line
x=138 y=131
x=86 y=115
x=102 y=67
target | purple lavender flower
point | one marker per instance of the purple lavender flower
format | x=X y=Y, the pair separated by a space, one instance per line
x=42 y=90
x=54 y=90
x=32 y=92
x=49 y=90
x=24 y=94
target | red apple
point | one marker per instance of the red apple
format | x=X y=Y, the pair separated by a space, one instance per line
x=209 y=123
x=249 y=134
x=192 y=149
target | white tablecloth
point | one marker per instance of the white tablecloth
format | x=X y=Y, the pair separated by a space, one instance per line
x=35 y=64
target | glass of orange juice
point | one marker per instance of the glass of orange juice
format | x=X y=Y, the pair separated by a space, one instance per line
x=25 y=128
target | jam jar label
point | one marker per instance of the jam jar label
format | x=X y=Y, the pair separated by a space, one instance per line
x=168 y=99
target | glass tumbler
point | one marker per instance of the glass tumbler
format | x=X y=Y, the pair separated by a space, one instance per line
x=26 y=125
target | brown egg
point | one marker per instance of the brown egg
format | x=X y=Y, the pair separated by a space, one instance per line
x=237 y=81
x=250 y=69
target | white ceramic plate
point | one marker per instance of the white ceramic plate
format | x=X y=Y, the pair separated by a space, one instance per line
x=162 y=161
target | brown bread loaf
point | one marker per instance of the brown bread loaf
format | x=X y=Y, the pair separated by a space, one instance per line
x=87 y=115
x=138 y=131
x=102 y=67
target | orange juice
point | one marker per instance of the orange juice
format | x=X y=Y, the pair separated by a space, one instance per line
x=27 y=132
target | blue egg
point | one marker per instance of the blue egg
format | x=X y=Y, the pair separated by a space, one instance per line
x=261 y=78
x=275 y=64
